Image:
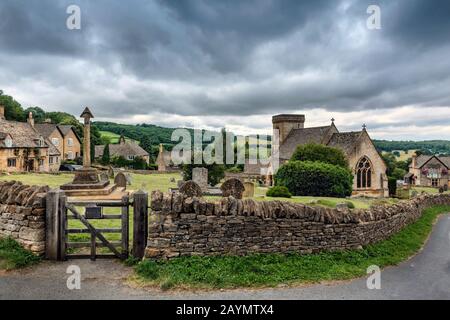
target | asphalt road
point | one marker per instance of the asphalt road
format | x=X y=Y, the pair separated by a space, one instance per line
x=425 y=276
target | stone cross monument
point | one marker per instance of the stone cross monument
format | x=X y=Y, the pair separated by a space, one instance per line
x=87 y=177
x=87 y=115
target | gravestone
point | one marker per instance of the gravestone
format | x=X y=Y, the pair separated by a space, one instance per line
x=191 y=189
x=200 y=176
x=129 y=180
x=232 y=187
x=111 y=172
x=104 y=176
x=249 y=191
x=121 y=180
x=180 y=183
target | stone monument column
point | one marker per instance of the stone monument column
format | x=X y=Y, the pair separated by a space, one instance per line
x=87 y=115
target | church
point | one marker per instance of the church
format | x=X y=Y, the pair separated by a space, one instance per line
x=366 y=164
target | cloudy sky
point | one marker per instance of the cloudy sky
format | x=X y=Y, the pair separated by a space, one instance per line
x=235 y=63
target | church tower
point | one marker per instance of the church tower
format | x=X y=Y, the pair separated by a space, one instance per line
x=287 y=122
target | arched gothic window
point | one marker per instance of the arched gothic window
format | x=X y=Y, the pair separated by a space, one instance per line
x=364 y=173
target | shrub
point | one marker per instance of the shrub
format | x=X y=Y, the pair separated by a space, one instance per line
x=318 y=152
x=306 y=178
x=278 y=192
x=392 y=185
x=350 y=204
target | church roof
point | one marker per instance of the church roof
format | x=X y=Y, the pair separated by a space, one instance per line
x=301 y=136
x=345 y=140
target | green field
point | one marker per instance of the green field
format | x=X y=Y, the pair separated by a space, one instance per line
x=404 y=155
x=113 y=137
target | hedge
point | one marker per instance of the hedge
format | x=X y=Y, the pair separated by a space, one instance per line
x=307 y=178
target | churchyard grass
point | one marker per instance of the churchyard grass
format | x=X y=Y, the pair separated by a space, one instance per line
x=14 y=256
x=271 y=270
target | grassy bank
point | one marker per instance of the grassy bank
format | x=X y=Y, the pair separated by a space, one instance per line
x=14 y=256
x=274 y=269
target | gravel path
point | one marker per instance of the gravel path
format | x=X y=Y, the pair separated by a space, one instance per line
x=426 y=276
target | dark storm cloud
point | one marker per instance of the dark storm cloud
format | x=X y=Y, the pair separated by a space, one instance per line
x=226 y=57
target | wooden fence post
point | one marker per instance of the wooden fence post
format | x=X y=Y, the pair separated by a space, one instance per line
x=140 y=226
x=52 y=225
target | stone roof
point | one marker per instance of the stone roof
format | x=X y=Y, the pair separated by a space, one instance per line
x=423 y=159
x=23 y=135
x=46 y=129
x=301 y=136
x=345 y=141
x=123 y=149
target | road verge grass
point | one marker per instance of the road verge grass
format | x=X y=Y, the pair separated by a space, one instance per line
x=270 y=270
x=14 y=256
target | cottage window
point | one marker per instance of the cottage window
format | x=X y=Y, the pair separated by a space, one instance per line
x=130 y=157
x=11 y=162
x=70 y=142
x=434 y=182
x=364 y=174
x=55 y=141
x=70 y=155
x=41 y=162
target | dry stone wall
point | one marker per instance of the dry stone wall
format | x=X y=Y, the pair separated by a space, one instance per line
x=182 y=226
x=22 y=214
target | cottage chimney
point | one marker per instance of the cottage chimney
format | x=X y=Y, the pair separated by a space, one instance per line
x=2 y=111
x=30 y=119
x=161 y=148
x=413 y=162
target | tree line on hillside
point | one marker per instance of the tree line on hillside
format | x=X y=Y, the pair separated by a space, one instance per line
x=438 y=147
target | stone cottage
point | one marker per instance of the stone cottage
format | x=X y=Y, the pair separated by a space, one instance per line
x=23 y=148
x=63 y=137
x=429 y=171
x=365 y=162
x=126 y=149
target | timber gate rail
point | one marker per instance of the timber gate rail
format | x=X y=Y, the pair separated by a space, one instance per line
x=61 y=210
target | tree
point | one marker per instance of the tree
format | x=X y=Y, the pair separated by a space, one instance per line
x=390 y=161
x=13 y=109
x=39 y=115
x=307 y=178
x=398 y=173
x=318 y=152
x=106 y=156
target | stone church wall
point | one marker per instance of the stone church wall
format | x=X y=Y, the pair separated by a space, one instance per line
x=22 y=214
x=193 y=226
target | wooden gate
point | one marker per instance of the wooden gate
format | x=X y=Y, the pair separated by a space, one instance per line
x=94 y=211
x=60 y=211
